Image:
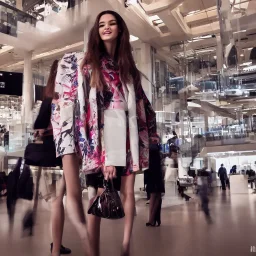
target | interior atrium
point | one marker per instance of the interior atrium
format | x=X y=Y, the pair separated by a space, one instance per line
x=197 y=62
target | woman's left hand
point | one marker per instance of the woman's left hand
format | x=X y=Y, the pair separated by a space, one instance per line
x=39 y=133
x=109 y=172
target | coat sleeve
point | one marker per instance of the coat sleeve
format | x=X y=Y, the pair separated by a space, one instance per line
x=150 y=114
x=63 y=118
x=146 y=125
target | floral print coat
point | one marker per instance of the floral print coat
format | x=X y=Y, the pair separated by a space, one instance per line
x=77 y=114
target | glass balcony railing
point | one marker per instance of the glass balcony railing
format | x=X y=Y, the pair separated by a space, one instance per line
x=9 y=18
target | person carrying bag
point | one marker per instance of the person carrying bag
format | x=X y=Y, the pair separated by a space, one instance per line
x=108 y=205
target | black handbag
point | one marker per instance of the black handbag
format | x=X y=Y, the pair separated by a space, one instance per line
x=108 y=205
x=41 y=154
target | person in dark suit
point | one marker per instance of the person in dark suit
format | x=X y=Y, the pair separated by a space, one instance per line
x=222 y=174
x=155 y=183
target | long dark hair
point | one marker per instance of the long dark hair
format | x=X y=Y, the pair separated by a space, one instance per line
x=49 y=91
x=123 y=54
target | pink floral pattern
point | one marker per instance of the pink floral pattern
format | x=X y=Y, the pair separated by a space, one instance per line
x=77 y=119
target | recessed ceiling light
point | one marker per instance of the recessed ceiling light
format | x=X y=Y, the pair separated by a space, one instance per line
x=193 y=12
x=241 y=31
x=133 y=38
x=246 y=63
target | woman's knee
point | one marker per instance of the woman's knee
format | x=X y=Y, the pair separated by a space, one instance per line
x=126 y=195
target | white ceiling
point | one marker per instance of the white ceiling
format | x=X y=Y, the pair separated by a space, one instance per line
x=158 y=22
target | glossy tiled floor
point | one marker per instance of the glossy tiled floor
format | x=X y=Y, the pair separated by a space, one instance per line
x=184 y=231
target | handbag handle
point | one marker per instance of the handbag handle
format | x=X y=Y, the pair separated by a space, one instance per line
x=108 y=184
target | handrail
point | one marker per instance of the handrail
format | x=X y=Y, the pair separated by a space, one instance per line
x=17 y=10
x=24 y=14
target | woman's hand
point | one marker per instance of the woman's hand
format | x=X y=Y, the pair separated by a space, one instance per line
x=39 y=133
x=109 y=172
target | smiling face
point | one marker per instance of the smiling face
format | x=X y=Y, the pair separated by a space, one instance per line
x=108 y=28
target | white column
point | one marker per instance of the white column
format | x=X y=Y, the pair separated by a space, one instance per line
x=206 y=123
x=27 y=93
x=145 y=66
x=219 y=54
x=89 y=22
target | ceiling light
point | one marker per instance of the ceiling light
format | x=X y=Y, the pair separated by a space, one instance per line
x=130 y=2
x=241 y=31
x=154 y=17
x=193 y=12
x=133 y=38
x=158 y=22
x=246 y=64
x=155 y=20
x=242 y=55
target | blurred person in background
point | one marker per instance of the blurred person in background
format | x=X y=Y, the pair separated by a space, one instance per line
x=43 y=131
x=155 y=183
x=203 y=188
x=233 y=169
x=222 y=174
x=20 y=186
x=12 y=184
x=111 y=98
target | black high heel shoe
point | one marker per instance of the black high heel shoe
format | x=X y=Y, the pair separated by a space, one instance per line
x=158 y=223
x=158 y=214
x=63 y=250
x=148 y=224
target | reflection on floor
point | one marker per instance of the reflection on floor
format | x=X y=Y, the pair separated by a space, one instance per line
x=184 y=231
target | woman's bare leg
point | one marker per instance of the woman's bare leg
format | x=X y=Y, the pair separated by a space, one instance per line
x=94 y=228
x=74 y=200
x=127 y=192
x=58 y=217
x=94 y=233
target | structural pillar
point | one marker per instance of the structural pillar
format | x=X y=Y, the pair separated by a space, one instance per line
x=145 y=66
x=219 y=54
x=19 y=4
x=27 y=93
x=206 y=123
x=85 y=7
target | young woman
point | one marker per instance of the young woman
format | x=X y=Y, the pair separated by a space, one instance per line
x=102 y=118
x=43 y=130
